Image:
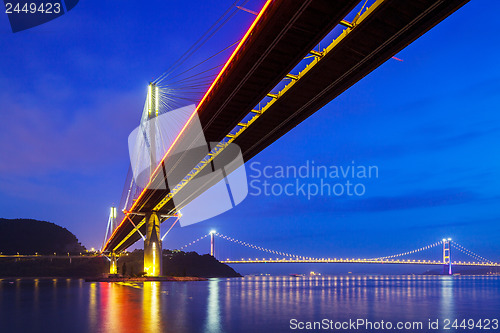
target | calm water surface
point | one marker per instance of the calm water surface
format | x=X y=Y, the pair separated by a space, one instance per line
x=250 y=304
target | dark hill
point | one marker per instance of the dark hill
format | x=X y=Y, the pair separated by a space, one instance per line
x=192 y=264
x=28 y=236
x=179 y=263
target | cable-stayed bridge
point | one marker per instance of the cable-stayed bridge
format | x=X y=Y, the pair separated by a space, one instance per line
x=296 y=57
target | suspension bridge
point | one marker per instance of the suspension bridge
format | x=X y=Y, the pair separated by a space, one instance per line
x=296 y=56
x=446 y=244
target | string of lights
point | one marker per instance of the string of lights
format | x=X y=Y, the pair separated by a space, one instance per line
x=193 y=242
x=285 y=254
x=469 y=252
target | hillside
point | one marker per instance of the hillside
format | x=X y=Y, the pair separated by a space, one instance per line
x=179 y=263
x=28 y=236
x=48 y=267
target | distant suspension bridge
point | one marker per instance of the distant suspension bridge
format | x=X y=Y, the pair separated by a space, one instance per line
x=446 y=243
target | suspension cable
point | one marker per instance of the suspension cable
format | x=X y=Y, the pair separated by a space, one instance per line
x=193 y=242
x=409 y=252
x=202 y=40
x=469 y=252
x=257 y=247
x=207 y=59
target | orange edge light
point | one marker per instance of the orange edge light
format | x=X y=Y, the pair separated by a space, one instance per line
x=192 y=115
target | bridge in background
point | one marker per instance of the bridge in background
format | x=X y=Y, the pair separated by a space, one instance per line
x=280 y=257
x=261 y=93
x=447 y=245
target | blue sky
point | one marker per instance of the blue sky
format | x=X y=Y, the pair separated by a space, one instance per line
x=72 y=90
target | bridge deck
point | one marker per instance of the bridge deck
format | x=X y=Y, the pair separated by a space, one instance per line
x=281 y=36
x=284 y=35
x=391 y=26
x=354 y=261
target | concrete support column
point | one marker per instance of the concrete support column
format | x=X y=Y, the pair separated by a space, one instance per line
x=113 y=264
x=152 y=246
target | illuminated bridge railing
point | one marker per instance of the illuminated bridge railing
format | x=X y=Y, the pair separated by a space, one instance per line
x=354 y=261
x=288 y=258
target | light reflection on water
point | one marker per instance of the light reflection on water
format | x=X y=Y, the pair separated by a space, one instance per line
x=250 y=304
x=213 y=313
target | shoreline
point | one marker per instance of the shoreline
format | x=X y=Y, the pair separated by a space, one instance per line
x=195 y=278
x=104 y=279
x=145 y=279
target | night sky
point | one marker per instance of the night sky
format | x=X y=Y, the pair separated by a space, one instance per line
x=73 y=89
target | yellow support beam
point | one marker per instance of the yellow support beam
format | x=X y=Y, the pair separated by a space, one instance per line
x=316 y=53
x=346 y=24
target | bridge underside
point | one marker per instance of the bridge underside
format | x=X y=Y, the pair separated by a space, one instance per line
x=284 y=34
x=387 y=30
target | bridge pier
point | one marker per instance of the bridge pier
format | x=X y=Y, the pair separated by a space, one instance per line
x=113 y=265
x=152 y=246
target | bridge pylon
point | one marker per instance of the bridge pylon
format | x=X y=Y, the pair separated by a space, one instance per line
x=152 y=243
x=152 y=246
x=153 y=110
x=447 y=256
x=212 y=243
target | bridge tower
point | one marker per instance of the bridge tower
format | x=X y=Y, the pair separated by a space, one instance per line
x=153 y=102
x=112 y=217
x=212 y=243
x=152 y=243
x=447 y=256
x=113 y=268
